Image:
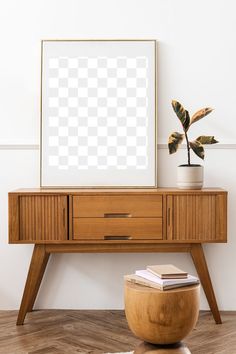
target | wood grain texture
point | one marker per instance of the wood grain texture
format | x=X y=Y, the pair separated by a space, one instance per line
x=117 y=247
x=197 y=217
x=13 y=218
x=169 y=217
x=36 y=271
x=43 y=218
x=70 y=217
x=194 y=217
x=117 y=191
x=161 y=317
x=221 y=217
x=147 y=348
x=164 y=217
x=134 y=206
x=133 y=228
x=204 y=276
x=99 y=332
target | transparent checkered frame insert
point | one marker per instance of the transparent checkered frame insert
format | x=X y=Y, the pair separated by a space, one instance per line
x=98 y=113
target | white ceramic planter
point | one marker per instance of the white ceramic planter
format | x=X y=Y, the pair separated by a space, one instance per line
x=190 y=177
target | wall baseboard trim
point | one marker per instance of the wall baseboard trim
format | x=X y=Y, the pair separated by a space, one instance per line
x=30 y=146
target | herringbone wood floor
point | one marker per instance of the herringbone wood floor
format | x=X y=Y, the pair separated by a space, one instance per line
x=69 y=331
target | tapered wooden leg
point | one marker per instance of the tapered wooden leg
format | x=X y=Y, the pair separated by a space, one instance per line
x=204 y=276
x=36 y=270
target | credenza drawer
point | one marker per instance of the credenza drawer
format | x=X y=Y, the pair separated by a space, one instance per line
x=119 y=205
x=117 y=228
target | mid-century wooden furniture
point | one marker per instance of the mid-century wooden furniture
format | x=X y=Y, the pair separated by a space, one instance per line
x=161 y=317
x=116 y=220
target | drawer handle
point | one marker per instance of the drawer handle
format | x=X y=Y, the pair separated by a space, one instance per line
x=117 y=215
x=109 y=237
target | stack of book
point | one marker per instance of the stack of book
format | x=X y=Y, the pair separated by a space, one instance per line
x=162 y=277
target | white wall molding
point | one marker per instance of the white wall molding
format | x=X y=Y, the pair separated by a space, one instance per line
x=220 y=146
x=19 y=146
x=34 y=146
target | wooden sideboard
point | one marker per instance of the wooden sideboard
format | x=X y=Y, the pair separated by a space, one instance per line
x=116 y=220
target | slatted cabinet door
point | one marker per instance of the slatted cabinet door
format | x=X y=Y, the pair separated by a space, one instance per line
x=196 y=218
x=43 y=218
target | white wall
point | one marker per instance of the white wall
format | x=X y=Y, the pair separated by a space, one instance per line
x=196 y=65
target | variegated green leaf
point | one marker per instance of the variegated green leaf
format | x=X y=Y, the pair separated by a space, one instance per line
x=198 y=148
x=206 y=139
x=175 y=139
x=182 y=114
x=200 y=114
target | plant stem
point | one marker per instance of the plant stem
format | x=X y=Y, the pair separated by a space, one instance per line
x=188 y=147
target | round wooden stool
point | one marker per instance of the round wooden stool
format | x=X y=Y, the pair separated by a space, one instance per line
x=161 y=317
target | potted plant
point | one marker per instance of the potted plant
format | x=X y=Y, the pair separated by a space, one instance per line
x=189 y=176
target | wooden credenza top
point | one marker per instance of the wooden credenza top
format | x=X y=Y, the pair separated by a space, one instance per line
x=118 y=191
